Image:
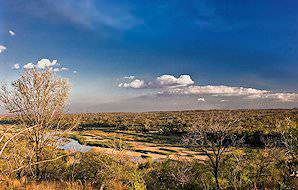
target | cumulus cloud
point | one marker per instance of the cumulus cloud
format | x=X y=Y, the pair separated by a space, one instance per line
x=184 y=85
x=44 y=63
x=16 y=66
x=164 y=81
x=2 y=48
x=170 y=80
x=29 y=66
x=12 y=33
x=133 y=84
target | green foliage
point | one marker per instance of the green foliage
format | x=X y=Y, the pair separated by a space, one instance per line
x=253 y=124
x=111 y=172
x=173 y=175
x=248 y=169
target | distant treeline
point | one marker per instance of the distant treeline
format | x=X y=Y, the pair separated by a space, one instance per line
x=252 y=125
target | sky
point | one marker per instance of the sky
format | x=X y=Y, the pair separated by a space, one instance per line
x=157 y=55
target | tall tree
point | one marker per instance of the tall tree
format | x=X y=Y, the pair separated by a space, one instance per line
x=214 y=138
x=38 y=100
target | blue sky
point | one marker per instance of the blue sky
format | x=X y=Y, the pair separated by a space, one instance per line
x=235 y=54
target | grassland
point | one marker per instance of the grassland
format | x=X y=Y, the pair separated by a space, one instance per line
x=159 y=135
x=133 y=145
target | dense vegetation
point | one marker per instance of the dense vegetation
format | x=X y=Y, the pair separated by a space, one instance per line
x=253 y=124
x=256 y=169
x=252 y=120
x=266 y=160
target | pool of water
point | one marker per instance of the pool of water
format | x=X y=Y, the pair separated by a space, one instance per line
x=74 y=145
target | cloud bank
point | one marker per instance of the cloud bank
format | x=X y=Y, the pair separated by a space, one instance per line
x=224 y=91
x=215 y=90
x=44 y=64
x=169 y=85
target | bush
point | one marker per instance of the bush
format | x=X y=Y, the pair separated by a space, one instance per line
x=172 y=174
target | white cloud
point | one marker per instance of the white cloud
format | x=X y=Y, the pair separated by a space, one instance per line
x=44 y=63
x=246 y=93
x=16 y=66
x=201 y=99
x=164 y=81
x=29 y=66
x=282 y=97
x=12 y=33
x=215 y=90
x=183 y=85
x=64 y=69
x=2 y=48
x=60 y=69
x=134 y=84
x=75 y=72
x=170 y=80
x=129 y=77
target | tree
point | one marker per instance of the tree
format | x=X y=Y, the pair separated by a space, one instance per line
x=289 y=138
x=38 y=100
x=212 y=138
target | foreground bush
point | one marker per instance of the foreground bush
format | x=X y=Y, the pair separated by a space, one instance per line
x=251 y=169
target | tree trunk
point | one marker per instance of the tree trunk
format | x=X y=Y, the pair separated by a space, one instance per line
x=37 y=159
x=216 y=180
x=215 y=173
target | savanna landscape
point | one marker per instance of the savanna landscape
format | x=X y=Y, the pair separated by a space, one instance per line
x=148 y=95
x=42 y=147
